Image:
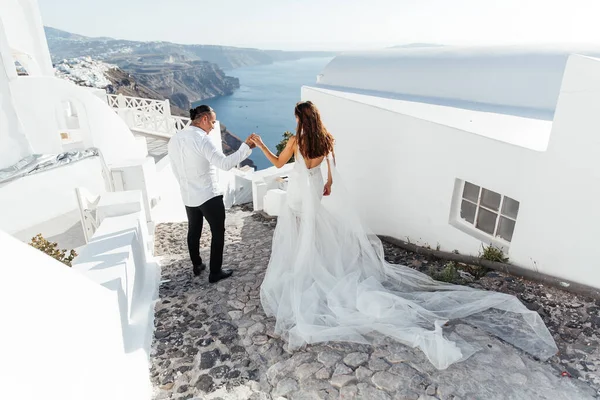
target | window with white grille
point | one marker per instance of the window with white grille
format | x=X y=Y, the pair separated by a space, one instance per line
x=488 y=211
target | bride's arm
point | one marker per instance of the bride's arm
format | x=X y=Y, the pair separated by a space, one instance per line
x=327 y=188
x=285 y=155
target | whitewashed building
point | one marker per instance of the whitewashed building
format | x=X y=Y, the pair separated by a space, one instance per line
x=460 y=148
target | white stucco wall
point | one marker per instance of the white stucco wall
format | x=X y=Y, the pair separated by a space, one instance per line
x=521 y=77
x=28 y=201
x=63 y=339
x=91 y=324
x=39 y=102
x=402 y=171
x=559 y=224
x=13 y=143
x=25 y=35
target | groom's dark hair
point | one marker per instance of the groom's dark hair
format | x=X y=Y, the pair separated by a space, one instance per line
x=200 y=111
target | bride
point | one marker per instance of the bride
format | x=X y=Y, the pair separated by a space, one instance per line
x=327 y=279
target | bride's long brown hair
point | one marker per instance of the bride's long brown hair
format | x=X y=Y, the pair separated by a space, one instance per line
x=313 y=139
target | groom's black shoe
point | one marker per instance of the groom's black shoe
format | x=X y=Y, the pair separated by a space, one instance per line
x=199 y=268
x=217 y=276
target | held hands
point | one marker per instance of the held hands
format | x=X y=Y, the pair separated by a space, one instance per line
x=256 y=140
x=249 y=142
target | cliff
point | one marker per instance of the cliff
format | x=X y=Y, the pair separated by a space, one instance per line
x=185 y=83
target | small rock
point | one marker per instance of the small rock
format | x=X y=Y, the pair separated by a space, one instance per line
x=236 y=304
x=205 y=342
x=167 y=386
x=407 y=395
x=339 y=381
x=183 y=369
x=306 y=370
x=431 y=390
x=403 y=370
x=233 y=374
x=209 y=359
x=355 y=360
x=205 y=383
x=228 y=339
x=349 y=392
x=363 y=373
x=183 y=389
x=275 y=371
x=285 y=387
x=161 y=334
x=329 y=358
x=259 y=340
x=378 y=364
x=323 y=373
x=256 y=328
x=235 y=315
x=237 y=349
x=342 y=369
x=219 y=372
x=366 y=391
x=386 y=381
x=248 y=309
x=245 y=323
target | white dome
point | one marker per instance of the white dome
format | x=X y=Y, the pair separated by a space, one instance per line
x=501 y=76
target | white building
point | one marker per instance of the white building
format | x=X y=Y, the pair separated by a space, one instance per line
x=460 y=148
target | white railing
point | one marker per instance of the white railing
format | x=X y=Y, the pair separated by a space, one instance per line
x=181 y=122
x=151 y=122
x=149 y=105
x=147 y=115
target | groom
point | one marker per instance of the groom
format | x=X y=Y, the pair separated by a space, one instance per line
x=194 y=159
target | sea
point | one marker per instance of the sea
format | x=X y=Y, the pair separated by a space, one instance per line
x=264 y=103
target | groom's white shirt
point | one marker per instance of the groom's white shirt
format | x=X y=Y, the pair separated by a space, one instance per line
x=195 y=159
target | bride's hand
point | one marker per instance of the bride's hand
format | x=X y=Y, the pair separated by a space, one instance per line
x=327 y=189
x=256 y=139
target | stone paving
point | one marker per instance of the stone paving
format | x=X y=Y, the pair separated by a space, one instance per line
x=213 y=341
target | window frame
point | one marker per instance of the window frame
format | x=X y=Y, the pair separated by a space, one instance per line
x=471 y=229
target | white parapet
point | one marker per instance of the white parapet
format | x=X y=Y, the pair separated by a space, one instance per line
x=115 y=259
x=119 y=258
x=69 y=325
x=267 y=179
x=140 y=175
x=34 y=199
x=274 y=201
x=236 y=185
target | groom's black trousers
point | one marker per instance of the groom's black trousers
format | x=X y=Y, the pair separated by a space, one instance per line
x=214 y=212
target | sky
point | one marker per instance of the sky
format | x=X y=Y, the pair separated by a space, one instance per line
x=330 y=24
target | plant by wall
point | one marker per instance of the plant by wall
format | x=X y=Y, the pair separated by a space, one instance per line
x=51 y=248
x=492 y=253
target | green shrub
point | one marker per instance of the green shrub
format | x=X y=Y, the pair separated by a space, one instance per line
x=492 y=253
x=286 y=136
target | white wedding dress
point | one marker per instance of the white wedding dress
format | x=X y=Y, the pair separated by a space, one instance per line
x=327 y=280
